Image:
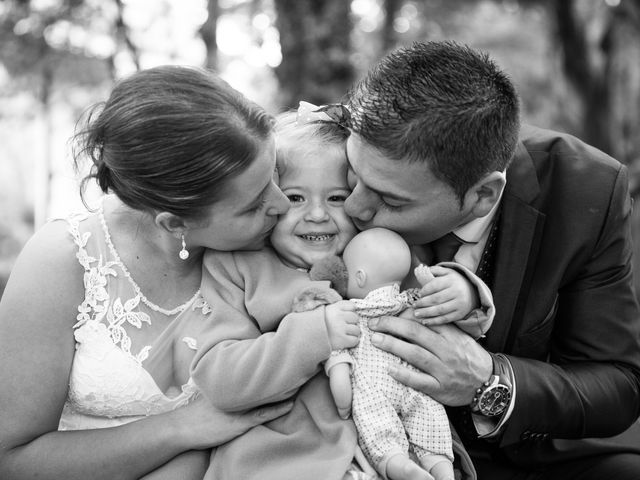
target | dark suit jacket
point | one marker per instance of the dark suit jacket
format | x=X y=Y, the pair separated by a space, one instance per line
x=566 y=315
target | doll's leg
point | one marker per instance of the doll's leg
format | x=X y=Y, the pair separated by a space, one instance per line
x=401 y=467
x=427 y=426
x=381 y=434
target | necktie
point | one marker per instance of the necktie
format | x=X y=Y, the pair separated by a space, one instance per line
x=445 y=248
x=485 y=268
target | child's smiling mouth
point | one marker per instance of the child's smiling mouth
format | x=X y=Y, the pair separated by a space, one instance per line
x=317 y=237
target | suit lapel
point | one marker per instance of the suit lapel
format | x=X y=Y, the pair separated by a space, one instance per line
x=519 y=234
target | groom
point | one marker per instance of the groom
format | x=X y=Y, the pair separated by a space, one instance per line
x=553 y=390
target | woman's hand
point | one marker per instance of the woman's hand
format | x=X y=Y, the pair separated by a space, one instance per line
x=447 y=297
x=342 y=324
x=205 y=426
x=451 y=364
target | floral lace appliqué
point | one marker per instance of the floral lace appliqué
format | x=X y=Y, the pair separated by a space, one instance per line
x=96 y=302
x=200 y=302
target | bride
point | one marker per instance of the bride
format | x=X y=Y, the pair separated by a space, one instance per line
x=102 y=312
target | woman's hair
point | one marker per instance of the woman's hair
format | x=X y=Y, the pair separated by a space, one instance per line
x=306 y=137
x=168 y=138
x=443 y=104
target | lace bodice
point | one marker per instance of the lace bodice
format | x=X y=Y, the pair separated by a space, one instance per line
x=112 y=381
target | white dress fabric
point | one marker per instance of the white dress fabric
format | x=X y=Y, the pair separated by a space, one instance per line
x=113 y=380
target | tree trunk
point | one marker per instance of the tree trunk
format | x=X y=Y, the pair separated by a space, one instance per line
x=391 y=8
x=315 y=43
x=606 y=76
x=208 y=32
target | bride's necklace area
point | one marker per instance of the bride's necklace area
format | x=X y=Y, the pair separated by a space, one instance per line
x=134 y=285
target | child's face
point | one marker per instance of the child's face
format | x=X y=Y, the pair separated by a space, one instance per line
x=316 y=225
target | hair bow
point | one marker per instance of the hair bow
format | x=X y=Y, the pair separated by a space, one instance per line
x=331 y=113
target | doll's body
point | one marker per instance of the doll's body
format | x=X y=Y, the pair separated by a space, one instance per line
x=391 y=418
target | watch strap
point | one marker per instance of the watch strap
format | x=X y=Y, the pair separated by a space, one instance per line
x=498 y=385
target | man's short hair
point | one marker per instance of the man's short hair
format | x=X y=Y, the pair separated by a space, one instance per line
x=441 y=103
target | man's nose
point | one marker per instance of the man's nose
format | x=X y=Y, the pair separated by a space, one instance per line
x=357 y=206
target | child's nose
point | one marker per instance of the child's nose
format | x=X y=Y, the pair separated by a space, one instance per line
x=317 y=213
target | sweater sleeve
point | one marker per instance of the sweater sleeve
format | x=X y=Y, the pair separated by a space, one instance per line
x=254 y=356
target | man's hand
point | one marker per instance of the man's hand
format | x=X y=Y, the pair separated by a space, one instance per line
x=451 y=363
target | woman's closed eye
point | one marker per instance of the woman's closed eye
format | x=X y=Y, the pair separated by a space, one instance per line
x=258 y=206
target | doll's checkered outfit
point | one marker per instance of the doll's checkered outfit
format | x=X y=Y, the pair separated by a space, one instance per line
x=391 y=417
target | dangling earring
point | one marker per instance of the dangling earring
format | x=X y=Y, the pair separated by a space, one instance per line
x=184 y=253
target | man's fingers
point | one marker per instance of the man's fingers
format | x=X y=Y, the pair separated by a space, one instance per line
x=417 y=380
x=404 y=328
x=439 y=320
x=413 y=354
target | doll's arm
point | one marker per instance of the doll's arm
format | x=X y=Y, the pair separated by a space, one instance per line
x=338 y=366
x=338 y=369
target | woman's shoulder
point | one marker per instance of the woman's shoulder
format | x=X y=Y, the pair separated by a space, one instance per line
x=46 y=276
x=50 y=246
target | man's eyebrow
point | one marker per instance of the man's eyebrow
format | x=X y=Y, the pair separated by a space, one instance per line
x=382 y=193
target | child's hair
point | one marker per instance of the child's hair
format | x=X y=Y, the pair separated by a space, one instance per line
x=306 y=137
x=169 y=138
x=443 y=104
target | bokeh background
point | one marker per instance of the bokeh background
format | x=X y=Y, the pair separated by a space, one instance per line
x=576 y=64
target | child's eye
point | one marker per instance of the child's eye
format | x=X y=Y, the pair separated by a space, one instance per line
x=337 y=198
x=295 y=198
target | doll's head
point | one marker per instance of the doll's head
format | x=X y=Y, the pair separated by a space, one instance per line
x=312 y=169
x=375 y=258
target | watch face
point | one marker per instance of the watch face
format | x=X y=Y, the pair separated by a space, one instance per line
x=494 y=400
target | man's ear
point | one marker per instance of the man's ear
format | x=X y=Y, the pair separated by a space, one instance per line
x=361 y=278
x=171 y=223
x=485 y=194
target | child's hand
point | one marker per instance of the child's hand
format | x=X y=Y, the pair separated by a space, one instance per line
x=342 y=324
x=448 y=297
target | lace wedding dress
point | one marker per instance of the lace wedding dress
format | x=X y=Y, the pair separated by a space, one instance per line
x=110 y=384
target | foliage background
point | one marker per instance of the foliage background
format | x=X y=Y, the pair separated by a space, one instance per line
x=576 y=64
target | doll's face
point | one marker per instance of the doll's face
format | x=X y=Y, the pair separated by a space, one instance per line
x=316 y=225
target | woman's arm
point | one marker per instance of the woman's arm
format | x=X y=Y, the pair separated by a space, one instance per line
x=191 y=465
x=37 y=312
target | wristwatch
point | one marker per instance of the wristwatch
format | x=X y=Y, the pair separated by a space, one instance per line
x=492 y=398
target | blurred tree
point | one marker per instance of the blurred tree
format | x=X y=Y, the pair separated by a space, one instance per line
x=315 y=44
x=208 y=32
x=601 y=51
x=389 y=30
x=599 y=44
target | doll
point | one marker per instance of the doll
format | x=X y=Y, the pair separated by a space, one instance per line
x=389 y=416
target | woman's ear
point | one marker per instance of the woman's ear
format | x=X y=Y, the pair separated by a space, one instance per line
x=173 y=224
x=485 y=194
